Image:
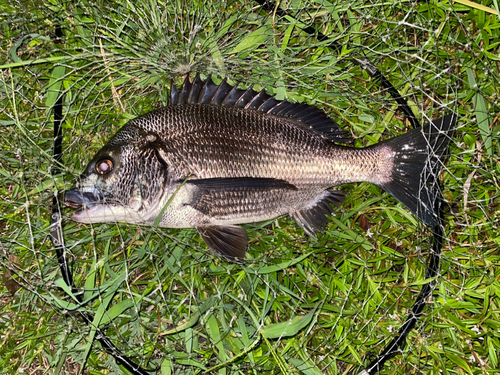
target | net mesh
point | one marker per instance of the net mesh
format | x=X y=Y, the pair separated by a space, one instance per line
x=298 y=305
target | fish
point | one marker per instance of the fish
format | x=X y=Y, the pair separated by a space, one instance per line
x=217 y=156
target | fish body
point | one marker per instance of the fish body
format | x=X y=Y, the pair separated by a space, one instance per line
x=218 y=156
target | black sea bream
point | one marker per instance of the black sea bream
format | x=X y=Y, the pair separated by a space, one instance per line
x=218 y=156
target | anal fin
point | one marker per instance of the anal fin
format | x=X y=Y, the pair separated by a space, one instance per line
x=230 y=241
x=313 y=219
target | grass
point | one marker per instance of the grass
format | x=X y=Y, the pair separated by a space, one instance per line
x=298 y=305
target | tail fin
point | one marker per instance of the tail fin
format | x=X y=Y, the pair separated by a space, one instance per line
x=418 y=160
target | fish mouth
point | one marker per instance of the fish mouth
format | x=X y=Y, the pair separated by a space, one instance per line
x=84 y=201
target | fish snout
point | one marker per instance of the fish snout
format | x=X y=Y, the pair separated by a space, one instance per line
x=75 y=198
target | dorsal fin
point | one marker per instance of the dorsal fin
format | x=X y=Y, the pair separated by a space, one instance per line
x=305 y=115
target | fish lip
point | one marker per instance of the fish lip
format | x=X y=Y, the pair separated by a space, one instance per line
x=84 y=201
x=77 y=198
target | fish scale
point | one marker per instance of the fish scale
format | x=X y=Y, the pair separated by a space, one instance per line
x=231 y=146
x=316 y=162
x=218 y=156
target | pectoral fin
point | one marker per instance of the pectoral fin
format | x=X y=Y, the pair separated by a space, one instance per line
x=230 y=241
x=223 y=198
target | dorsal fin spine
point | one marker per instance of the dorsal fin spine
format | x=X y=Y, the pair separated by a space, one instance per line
x=174 y=94
x=279 y=108
x=195 y=89
x=243 y=100
x=208 y=91
x=219 y=89
x=220 y=94
x=268 y=105
x=229 y=99
x=184 y=92
x=260 y=96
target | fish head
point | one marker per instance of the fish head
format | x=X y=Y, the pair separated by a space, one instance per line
x=123 y=182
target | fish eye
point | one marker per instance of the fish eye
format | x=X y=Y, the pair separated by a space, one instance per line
x=104 y=166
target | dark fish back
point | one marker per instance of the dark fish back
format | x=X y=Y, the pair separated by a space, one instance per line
x=213 y=141
x=225 y=95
